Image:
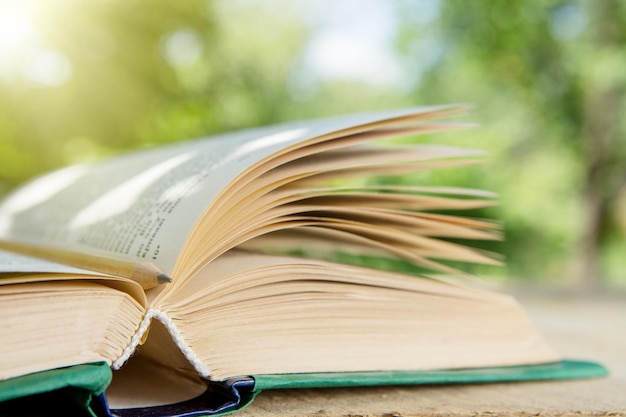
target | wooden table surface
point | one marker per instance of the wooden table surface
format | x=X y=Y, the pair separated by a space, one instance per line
x=587 y=326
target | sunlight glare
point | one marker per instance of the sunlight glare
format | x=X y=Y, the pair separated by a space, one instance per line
x=24 y=53
x=46 y=67
x=121 y=198
x=16 y=28
x=46 y=188
x=15 y=25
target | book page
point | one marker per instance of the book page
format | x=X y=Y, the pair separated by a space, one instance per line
x=142 y=206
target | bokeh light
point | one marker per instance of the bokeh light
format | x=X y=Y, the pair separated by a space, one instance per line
x=83 y=80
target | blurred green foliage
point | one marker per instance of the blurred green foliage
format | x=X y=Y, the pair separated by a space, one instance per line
x=83 y=80
x=548 y=79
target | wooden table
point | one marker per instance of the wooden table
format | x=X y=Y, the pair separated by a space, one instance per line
x=579 y=326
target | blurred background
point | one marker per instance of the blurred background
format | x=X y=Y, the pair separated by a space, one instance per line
x=83 y=80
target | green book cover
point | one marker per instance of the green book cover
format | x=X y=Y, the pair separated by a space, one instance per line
x=567 y=369
x=77 y=390
x=63 y=391
x=226 y=397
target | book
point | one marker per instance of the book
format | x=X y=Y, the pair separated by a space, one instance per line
x=204 y=271
x=75 y=390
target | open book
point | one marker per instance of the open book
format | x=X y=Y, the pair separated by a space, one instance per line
x=209 y=263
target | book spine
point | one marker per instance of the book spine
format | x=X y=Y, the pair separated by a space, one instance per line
x=203 y=370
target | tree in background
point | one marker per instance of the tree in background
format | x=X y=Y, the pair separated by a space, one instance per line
x=90 y=79
x=80 y=77
x=81 y=80
x=549 y=81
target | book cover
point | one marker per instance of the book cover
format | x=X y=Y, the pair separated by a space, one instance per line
x=74 y=390
x=239 y=393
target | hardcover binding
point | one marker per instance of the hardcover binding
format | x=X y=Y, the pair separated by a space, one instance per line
x=74 y=390
x=231 y=395
x=220 y=398
x=81 y=388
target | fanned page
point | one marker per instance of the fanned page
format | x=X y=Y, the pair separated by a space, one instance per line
x=269 y=190
x=143 y=206
x=257 y=230
x=248 y=313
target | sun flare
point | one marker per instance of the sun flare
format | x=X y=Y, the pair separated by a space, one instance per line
x=16 y=28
